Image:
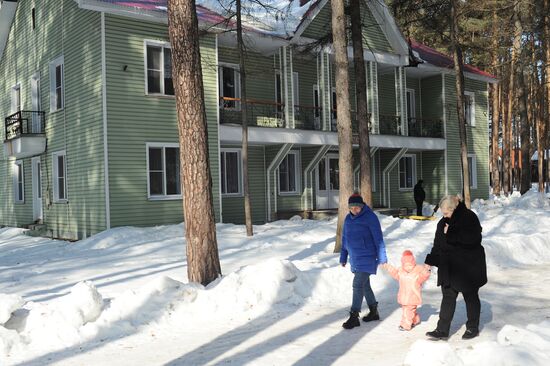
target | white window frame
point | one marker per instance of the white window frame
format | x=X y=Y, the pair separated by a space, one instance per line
x=164 y=196
x=239 y=171
x=162 y=45
x=16 y=103
x=333 y=104
x=413 y=101
x=279 y=96
x=236 y=75
x=18 y=185
x=296 y=88
x=53 y=89
x=55 y=176
x=471 y=119
x=472 y=165
x=297 y=176
x=413 y=180
x=316 y=107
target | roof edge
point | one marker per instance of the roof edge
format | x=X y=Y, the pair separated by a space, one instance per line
x=7 y=15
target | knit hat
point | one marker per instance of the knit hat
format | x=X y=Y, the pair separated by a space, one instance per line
x=408 y=257
x=355 y=200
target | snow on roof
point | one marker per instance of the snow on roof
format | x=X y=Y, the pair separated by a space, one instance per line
x=282 y=18
x=439 y=59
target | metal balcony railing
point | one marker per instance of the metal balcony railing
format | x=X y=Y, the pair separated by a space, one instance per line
x=259 y=113
x=24 y=123
x=389 y=124
x=420 y=127
x=307 y=117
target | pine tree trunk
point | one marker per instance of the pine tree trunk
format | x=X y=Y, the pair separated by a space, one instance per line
x=495 y=110
x=524 y=144
x=505 y=142
x=361 y=96
x=203 y=264
x=546 y=105
x=244 y=121
x=345 y=157
x=510 y=118
x=459 y=71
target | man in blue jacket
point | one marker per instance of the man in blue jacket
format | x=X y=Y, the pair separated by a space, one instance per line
x=362 y=240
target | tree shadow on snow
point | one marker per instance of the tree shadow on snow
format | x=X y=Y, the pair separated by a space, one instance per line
x=333 y=347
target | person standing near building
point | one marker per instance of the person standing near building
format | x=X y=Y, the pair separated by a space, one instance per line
x=363 y=243
x=419 y=197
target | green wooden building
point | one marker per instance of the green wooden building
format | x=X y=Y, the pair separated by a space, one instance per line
x=90 y=137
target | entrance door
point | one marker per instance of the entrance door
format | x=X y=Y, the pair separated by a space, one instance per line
x=35 y=104
x=328 y=182
x=37 y=189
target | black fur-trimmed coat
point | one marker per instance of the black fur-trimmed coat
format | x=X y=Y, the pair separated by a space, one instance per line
x=459 y=255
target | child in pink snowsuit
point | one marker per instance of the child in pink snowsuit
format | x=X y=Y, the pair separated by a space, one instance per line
x=411 y=277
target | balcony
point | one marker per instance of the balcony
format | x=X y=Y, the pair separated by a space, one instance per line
x=420 y=127
x=259 y=113
x=389 y=124
x=24 y=134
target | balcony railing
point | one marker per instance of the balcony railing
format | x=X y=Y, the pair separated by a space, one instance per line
x=389 y=124
x=307 y=117
x=420 y=127
x=259 y=113
x=24 y=123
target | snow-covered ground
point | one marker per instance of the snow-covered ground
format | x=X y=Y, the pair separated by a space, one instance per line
x=122 y=297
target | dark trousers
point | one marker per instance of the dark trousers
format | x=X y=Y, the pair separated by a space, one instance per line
x=419 y=207
x=448 y=305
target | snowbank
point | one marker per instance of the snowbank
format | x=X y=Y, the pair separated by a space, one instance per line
x=514 y=346
x=8 y=304
x=287 y=264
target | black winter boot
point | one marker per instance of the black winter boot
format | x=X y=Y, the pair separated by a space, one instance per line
x=353 y=320
x=373 y=313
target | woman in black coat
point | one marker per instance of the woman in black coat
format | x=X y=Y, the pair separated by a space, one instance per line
x=460 y=258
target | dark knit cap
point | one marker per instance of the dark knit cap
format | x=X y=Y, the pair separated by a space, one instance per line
x=356 y=200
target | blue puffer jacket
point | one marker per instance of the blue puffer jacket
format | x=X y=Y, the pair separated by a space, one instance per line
x=362 y=239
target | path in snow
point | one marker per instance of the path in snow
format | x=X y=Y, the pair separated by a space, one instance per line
x=312 y=335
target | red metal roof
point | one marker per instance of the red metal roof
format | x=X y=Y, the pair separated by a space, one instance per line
x=439 y=59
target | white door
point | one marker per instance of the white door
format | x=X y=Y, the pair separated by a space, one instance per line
x=328 y=182
x=37 y=189
x=35 y=104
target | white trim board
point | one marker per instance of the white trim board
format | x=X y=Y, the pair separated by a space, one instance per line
x=268 y=136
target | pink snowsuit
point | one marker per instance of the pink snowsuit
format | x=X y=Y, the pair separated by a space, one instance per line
x=411 y=277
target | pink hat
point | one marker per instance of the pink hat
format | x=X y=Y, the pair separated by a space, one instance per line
x=408 y=257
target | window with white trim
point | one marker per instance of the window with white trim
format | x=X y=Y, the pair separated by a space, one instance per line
x=59 y=163
x=334 y=106
x=158 y=67
x=230 y=86
x=296 y=88
x=18 y=181
x=57 y=85
x=15 y=98
x=279 y=93
x=316 y=107
x=163 y=171
x=289 y=173
x=469 y=108
x=230 y=162
x=472 y=170
x=411 y=104
x=407 y=171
